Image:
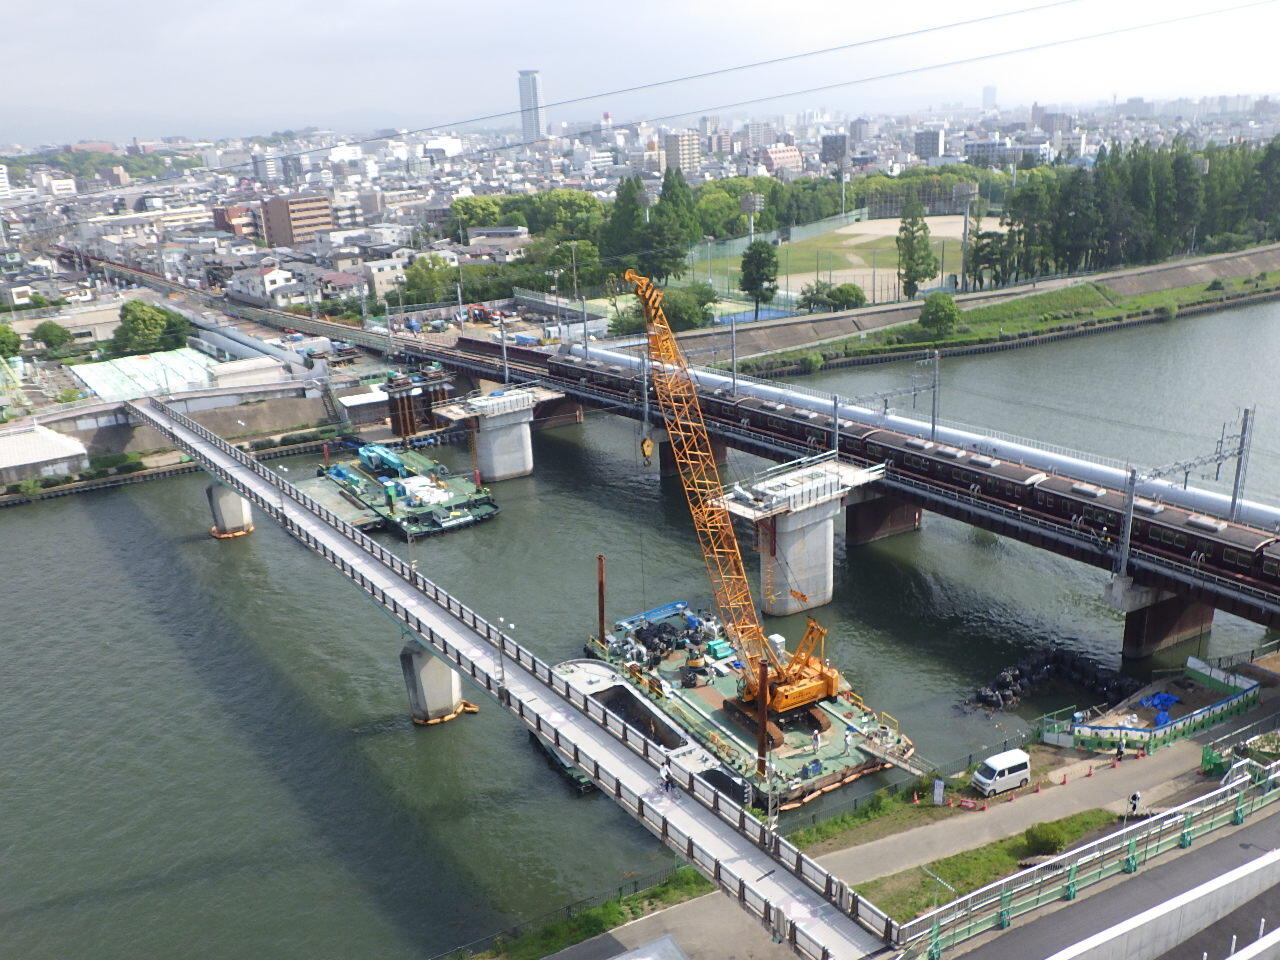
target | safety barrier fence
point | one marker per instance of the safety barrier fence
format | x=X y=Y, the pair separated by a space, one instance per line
x=1245 y=656
x=1106 y=738
x=726 y=875
x=1062 y=878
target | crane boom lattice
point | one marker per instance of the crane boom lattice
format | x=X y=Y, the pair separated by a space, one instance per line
x=700 y=477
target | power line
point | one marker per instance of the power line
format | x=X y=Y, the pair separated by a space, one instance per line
x=907 y=71
x=652 y=85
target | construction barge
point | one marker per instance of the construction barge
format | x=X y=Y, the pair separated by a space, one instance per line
x=409 y=492
x=684 y=668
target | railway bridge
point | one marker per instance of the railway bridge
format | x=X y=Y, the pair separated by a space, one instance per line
x=1164 y=599
x=796 y=899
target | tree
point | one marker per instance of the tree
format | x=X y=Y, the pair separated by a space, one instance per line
x=916 y=260
x=682 y=309
x=52 y=335
x=703 y=292
x=10 y=342
x=620 y=234
x=816 y=296
x=662 y=249
x=846 y=296
x=676 y=204
x=37 y=300
x=759 y=276
x=428 y=279
x=144 y=328
x=939 y=315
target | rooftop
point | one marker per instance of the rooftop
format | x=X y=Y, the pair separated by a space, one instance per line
x=36 y=444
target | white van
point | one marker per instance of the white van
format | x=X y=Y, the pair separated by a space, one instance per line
x=1004 y=771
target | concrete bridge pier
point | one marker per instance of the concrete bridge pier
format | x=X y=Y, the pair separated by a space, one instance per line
x=232 y=514
x=500 y=423
x=1155 y=619
x=797 y=558
x=873 y=516
x=503 y=446
x=435 y=689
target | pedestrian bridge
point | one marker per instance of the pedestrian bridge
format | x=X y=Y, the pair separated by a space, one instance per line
x=795 y=898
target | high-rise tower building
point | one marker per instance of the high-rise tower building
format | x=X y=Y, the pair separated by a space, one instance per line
x=531 y=123
x=988 y=98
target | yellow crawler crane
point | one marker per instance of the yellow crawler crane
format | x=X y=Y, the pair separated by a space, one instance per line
x=803 y=678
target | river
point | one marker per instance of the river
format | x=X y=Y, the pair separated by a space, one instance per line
x=207 y=745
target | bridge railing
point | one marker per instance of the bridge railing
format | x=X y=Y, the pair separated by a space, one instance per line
x=726 y=809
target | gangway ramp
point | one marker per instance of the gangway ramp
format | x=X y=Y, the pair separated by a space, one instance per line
x=797 y=899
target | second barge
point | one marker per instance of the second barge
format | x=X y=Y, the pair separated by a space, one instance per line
x=412 y=493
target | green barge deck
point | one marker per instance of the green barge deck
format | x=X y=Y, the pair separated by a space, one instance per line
x=409 y=492
x=653 y=652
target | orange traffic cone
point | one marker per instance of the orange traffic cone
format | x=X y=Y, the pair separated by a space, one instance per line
x=1037 y=787
x=1090 y=773
x=915 y=797
x=1064 y=780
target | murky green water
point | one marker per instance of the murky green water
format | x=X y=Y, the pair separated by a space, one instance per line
x=206 y=743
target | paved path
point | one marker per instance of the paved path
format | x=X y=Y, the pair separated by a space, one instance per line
x=710 y=928
x=1156 y=776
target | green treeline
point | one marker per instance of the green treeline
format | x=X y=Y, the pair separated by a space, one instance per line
x=575 y=228
x=85 y=164
x=1137 y=205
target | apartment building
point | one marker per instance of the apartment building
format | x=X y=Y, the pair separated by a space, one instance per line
x=296 y=219
x=684 y=150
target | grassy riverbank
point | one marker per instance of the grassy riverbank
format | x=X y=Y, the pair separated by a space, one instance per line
x=1068 y=309
x=685 y=884
x=908 y=894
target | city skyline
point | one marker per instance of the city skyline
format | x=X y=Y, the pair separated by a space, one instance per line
x=1150 y=63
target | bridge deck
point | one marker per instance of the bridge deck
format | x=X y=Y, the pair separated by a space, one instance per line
x=788 y=892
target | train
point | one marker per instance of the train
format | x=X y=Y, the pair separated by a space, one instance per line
x=1159 y=527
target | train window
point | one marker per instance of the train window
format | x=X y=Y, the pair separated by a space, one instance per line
x=1040 y=496
x=1180 y=540
x=1271 y=568
x=873 y=449
x=1048 y=500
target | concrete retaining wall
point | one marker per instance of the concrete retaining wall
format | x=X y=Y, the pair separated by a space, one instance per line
x=109 y=430
x=1158 y=930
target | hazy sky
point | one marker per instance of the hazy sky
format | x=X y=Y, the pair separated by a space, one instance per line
x=86 y=69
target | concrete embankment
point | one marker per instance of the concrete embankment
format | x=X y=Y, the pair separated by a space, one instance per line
x=1019 y=342
x=792 y=333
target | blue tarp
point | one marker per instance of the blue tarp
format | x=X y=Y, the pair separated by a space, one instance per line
x=1159 y=701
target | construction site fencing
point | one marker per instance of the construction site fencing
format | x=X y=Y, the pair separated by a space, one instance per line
x=1104 y=738
x=727 y=876
x=1062 y=878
